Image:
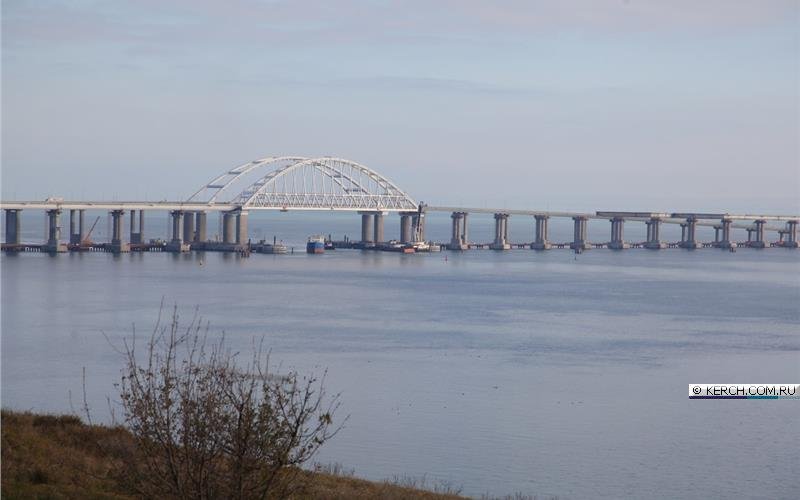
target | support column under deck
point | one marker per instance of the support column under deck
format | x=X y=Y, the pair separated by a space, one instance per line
x=758 y=230
x=201 y=227
x=791 y=235
x=137 y=231
x=458 y=236
x=579 y=240
x=464 y=230
x=366 y=227
x=241 y=228
x=405 y=227
x=540 y=241
x=378 y=233
x=188 y=227
x=74 y=235
x=455 y=229
x=500 y=232
x=133 y=233
x=618 y=234
x=13 y=228
x=177 y=244
x=53 y=243
x=654 y=234
x=177 y=221
x=228 y=227
x=141 y=227
x=688 y=231
x=81 y=224
x=118 y=244
x=725 y=235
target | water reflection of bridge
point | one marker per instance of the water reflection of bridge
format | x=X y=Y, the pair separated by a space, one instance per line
x=335 y=184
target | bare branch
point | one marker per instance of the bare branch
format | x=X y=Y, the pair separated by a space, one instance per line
x=209 y=425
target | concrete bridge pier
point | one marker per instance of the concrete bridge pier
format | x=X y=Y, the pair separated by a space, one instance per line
x=188 y=227
x=228 y=227
x=13 y=227
x=758 y=231
x=500 y=232
x=458 y=238
x=241 y=228
x=141 y=226
x=53 y=243
x=688 y=232
x=118 y=244
x=76 y=226
x=790 y=234
x=618 y=234
x=378 y=232
x=137 y=233
x=654 y=234
x=177 y=244
x=724 y=231
x=367 y=223
x=540 y=242
x=201 y=225
x=464 y=229
x=133 y=235
x=580 y=241
x=405 y=227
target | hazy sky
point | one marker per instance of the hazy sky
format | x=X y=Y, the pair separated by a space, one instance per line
x=668 y=105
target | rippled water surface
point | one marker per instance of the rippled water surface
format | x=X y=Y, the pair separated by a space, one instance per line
x=500 y=372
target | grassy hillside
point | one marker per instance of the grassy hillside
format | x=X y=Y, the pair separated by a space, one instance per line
x=48 y=456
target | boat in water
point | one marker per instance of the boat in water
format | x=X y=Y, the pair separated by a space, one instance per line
x=278 y=248
x=396 y=246
x=275 y=248
x=316 y=244
x=422 y=246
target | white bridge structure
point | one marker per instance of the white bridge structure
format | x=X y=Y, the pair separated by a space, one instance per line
x=298 y=183
x=335 y=184
x=272 y=183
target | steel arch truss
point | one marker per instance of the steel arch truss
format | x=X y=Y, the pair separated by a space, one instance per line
x=310 y=184
x=211 y=191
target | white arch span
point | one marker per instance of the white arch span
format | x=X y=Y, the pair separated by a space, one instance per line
x=294 y=182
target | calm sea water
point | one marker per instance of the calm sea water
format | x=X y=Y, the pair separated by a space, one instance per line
x=541 y=373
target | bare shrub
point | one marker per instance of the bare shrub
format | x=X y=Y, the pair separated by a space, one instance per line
x=208 y=425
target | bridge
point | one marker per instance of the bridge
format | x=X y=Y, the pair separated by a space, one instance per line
x=334 y=184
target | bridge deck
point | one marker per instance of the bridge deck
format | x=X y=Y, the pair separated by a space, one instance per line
x=609 y=214
x=166 y=206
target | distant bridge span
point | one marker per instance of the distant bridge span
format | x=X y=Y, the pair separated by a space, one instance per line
x=336 y=184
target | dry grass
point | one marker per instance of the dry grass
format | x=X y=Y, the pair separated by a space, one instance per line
x=47 y=456
x=54 y=457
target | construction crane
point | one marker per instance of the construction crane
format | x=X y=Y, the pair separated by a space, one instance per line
x=86 y=241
